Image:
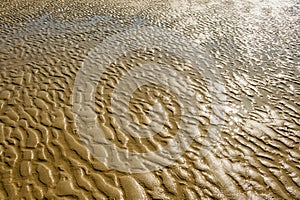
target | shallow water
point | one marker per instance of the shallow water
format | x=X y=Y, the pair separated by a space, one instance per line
x=149 y=99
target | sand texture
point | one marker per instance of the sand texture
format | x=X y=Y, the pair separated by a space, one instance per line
x=244 y=119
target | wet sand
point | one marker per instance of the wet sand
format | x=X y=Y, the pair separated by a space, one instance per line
x=254 y=152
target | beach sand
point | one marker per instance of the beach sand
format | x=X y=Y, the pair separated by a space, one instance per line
x=246 y=108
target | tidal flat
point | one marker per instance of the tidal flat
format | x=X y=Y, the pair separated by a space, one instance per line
x=159 y=99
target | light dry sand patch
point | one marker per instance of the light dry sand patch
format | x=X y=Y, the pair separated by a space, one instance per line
x=43 y=44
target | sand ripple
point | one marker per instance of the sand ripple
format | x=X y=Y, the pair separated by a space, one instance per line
x=255 y=46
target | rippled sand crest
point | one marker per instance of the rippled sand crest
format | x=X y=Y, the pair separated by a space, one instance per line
x=254 y=46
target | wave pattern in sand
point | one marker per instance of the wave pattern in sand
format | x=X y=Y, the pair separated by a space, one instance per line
x=255 y=46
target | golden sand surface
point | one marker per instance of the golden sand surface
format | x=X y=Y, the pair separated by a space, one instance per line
x=224 y=73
